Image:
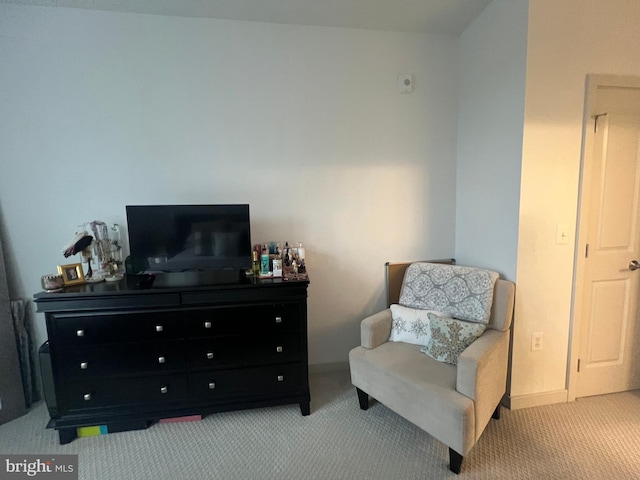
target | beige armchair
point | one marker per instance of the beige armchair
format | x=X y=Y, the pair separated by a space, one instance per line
x=453 y=403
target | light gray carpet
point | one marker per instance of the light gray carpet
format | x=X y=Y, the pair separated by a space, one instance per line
x=597 y=438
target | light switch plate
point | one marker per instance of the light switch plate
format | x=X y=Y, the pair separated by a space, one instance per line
x=562 y=234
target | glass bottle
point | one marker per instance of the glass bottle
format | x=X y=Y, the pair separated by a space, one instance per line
x=264 y=261
x=255 y=264
x=116 y=248
x=287 y=255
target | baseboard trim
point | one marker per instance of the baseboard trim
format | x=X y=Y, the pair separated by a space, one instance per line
x=329 y=367
x=536 y=399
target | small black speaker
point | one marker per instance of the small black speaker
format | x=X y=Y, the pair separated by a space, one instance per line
x=127 y=265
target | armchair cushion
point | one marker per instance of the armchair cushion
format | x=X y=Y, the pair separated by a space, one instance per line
x=449 y=337
x=418 y=388
x=465 y=293
x=409 y=325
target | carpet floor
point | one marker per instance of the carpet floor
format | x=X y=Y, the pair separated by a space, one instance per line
x=591 y=438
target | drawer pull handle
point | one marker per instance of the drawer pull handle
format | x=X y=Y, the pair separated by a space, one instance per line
x=161 y=359
x=80 y=333
x=278 y=319
x=210 y=355
x=159 y=328
x=84 y=365
x=207 y=324
x=279 y=349
x=212 y=385
x=87 y=397
x=164 y=389
x=281 y=378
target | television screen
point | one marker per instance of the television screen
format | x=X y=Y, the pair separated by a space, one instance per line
x=188 y=238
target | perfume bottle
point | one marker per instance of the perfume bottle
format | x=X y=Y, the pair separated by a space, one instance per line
x=255 y=264
x=287 y=255
x=264 y=261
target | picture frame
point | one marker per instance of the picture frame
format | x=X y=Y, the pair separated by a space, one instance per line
x=72 y=273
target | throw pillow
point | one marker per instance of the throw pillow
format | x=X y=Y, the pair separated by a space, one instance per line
x=449 y=337
x=409 y=325
x=461 y=292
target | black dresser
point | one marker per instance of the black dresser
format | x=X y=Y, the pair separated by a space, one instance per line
x=123 y=356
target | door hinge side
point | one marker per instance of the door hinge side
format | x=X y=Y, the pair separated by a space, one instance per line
x=586 y=251
x=578 y=365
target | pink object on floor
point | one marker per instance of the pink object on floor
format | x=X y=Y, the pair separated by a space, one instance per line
x=190 y=418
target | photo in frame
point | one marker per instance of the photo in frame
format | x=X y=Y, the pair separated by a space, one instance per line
x=72 y=274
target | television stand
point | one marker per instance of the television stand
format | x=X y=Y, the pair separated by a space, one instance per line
x=124 y=357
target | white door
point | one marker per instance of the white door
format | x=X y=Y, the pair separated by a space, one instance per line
x=609 y=350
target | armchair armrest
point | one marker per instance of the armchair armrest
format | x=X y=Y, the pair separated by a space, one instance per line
x=482 y=373
x=375 y=330
x=483 y=363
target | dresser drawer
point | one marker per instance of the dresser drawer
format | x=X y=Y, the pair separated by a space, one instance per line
x=257 y=382
x=216 y=352
x=275 y=348
x=118 y=327
x=245 y=320
x=156 y=357
x=248 y=350
x=94 y=393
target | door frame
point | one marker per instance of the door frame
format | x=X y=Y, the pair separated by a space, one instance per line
x=594 y=81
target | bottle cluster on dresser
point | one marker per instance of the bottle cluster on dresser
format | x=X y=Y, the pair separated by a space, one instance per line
x=275 y=259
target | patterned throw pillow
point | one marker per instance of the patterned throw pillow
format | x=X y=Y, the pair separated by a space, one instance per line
x=409 y=325
x=449 y=337
x=461 y=292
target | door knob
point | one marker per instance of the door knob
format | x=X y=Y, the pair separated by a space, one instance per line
x=634 y=265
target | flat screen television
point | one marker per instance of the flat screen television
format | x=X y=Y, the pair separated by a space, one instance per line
x=189 y=238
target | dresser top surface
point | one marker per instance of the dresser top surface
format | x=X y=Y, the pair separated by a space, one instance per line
x=136 y=286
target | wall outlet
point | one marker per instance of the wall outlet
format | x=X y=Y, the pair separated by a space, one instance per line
x=537 y=341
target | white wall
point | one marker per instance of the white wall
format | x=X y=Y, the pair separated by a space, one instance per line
x=100 y=110
x=490 y=122
x=566 y=41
